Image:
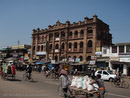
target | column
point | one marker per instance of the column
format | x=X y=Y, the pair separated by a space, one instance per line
x=85 y=45
x=125 y=69
x=94 y=41
x=53 y=46
x=125 y=49
x=110 y=65
x=60 y=46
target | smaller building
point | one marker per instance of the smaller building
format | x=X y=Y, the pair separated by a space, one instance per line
x=116 y=57
x=22 y=52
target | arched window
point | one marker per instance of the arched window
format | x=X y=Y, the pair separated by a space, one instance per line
x=42 y=48
x=88 y=58
x=63 y=46
x=81 y=58
x=81 y=33
x=75 y=45
x=76 y=33
x=57 y=35
x=89 y=43
x=70 y=45
x=33 y=47
x=63 y=34
x=70 y=33
x=38 y=48
x=90 y=30
x=50 y=47
x=57 y=46
x=42 y=39
x=51 y=36
x=81 y=44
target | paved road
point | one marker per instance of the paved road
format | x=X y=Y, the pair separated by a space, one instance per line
x=46 y=88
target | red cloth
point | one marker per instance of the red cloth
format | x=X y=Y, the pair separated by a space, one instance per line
x=63 y=72
x=13 y=69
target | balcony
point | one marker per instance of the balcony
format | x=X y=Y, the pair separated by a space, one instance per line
x=81 y=35
x=89 y=49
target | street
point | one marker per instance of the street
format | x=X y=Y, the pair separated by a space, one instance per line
x=46 y=88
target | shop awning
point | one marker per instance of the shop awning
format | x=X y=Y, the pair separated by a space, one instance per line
x=103 y=59
x=39 y=63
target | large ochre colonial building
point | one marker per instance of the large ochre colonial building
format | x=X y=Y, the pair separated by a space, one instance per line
x=80 y=40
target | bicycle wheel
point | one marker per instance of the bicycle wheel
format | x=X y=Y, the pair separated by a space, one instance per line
x=31 y=79
x=125 y=84
x=60 y=91
x=25 y=77
x=113 y=83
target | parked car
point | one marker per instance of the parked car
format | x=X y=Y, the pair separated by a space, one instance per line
x=106 y=75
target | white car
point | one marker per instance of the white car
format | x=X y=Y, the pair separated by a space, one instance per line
x=105 y=74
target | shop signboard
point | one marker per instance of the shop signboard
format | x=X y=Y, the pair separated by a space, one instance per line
x=124 y=59
x=53 y=61
x=98 y=53
x=93 y=57
x=56 y=50
x=77 y=59
x=41 y=53
x=71 y=59
x=92 y=62
x=114 y=58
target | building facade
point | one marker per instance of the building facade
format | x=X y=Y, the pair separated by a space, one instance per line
x=79 y=40
x=18 y=51
x=117 y=57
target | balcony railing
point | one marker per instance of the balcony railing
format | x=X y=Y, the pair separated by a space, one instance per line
x=75 y=49
x=81 y=50
x=89 y=49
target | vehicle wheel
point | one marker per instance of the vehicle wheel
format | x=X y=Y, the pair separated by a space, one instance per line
x=111 y=79
x=125 y=84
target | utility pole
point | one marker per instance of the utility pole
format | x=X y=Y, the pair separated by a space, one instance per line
x=18 y=48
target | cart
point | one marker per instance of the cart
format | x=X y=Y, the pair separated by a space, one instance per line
x=80 y=93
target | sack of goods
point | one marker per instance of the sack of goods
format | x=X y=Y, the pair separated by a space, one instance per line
x=83 y=83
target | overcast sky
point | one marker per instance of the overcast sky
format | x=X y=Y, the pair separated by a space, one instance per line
x=19 y=17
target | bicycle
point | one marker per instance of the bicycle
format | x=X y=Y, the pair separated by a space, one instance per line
x=61 y=93
x=26 y=77
x=122 y=83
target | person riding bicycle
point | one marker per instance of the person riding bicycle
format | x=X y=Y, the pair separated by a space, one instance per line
x=56 y=71
x=29 y=71
x=118 y=76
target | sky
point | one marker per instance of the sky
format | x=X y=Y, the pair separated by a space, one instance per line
x=19 y=17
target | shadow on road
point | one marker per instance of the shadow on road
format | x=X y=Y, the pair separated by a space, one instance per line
x=13 y=80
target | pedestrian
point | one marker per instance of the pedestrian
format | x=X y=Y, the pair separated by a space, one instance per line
x=100 y=83
x=13 y=69
x=29 y=71
x=65 y=82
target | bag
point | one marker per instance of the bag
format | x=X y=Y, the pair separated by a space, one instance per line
x=96 y=87
x=89 y=86
x=84 y=83
x=79 y=84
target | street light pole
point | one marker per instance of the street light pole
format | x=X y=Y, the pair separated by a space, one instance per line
x=18 y=48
